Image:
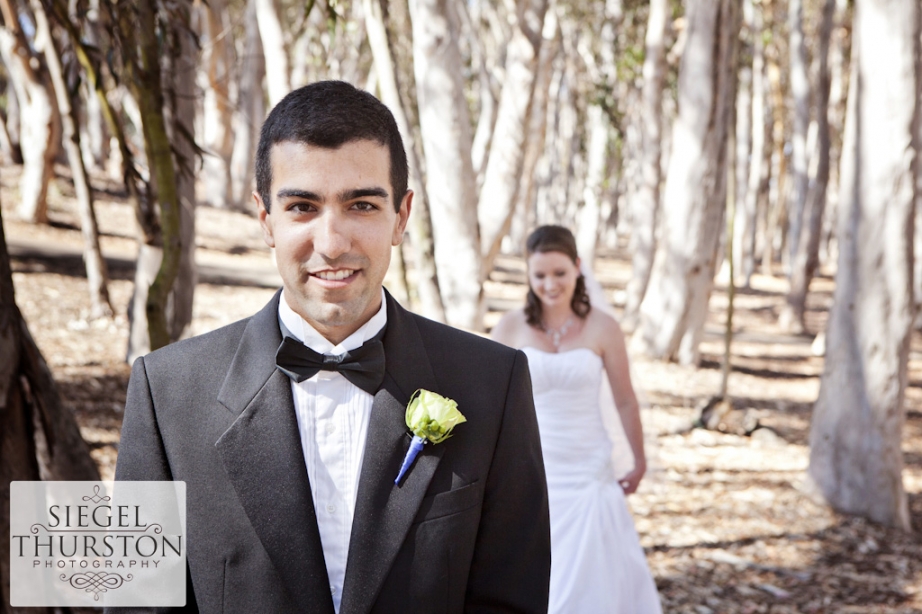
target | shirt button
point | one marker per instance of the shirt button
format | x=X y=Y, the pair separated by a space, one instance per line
x=330 y=427
x=331 y=508
x=333 y=589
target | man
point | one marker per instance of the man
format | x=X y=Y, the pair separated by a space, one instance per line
x=290 y=471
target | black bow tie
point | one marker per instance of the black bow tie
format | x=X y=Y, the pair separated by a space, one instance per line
x=363 y=366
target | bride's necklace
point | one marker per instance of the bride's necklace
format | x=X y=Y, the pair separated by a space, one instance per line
x=556 y=334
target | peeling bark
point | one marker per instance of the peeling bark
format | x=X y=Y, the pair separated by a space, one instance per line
x=139 y=22
x=214 y=30
x=97 y=273
x=446 y=134
x=756 y=186
x=498 y=195
x=249 y=114
x=647 y=200
x=427 y=284
x=856 y=460
x=674 y=310
x=806 y=256
x=270 y=32
x=800 y=98
x=40 y=123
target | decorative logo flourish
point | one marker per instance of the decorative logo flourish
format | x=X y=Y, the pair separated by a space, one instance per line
x=156 y=528
x=96 y=581
x=96 y=498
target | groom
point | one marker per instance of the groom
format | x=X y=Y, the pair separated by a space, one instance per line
x=290 y=467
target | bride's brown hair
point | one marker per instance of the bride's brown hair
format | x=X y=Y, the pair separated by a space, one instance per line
x=552 y=238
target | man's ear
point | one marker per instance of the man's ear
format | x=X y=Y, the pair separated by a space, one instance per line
x=403 y=214
x=265 y=220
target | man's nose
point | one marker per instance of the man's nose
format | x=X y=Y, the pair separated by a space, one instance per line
x=332 y=239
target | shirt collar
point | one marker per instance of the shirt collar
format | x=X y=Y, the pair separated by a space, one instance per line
x=308 y=335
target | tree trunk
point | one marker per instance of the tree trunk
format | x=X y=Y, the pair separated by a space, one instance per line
x=743 y=221
x=140 y=23
x=217 y=130
x=756 y=184
x=95 y=147
x=856 y=460
x=838 y=84
x=39 y=438
x=486 y=121
x=527 y=216
x=40 y=123
x=555 y=169
x=647 y=199
x=777 y=197
x=674 y=310
x=446 y=134
x=11 y=121
x=144 y=214
x=9 y=149
x=249 y=115
x=590 y=215
x=97 y=273
x=502 y=176
x=489 y=34
x=806 y=256
x=427 y=284
x=273 y=41
x=800 y=97
x=180 y=87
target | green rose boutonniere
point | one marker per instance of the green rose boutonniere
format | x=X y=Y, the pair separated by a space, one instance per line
x=431 y=418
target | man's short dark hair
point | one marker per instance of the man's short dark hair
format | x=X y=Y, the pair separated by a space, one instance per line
x=330 y=114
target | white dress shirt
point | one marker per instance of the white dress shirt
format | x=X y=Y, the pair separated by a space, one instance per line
x=333 y=415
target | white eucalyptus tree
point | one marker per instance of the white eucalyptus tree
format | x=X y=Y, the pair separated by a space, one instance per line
x=445 y=124
x=675 y=307
x=856 y=459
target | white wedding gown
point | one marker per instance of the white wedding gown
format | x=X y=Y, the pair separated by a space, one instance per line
x=597 y=563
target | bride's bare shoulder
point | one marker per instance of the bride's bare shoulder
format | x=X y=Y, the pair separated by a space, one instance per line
x=602 y=323
x=510 y=327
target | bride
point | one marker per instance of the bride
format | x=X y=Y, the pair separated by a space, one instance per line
x=597 y=565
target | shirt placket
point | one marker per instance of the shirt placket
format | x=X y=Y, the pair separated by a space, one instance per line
x=332 y=448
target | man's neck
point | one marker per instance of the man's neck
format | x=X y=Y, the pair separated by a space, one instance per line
x=334 y=335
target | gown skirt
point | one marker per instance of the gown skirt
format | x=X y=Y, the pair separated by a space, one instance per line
x=597 y=563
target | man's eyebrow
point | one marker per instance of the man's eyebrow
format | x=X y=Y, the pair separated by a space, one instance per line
x=347 y=195
x=296 y=193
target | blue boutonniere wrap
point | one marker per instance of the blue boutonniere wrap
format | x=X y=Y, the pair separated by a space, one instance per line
x=431 y=418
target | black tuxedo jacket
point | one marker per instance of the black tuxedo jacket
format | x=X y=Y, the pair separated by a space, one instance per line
x=466 y=531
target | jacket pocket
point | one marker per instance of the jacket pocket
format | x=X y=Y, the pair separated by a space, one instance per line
x=451 y=502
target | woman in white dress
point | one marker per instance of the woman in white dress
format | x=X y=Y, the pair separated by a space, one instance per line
x=597 y=563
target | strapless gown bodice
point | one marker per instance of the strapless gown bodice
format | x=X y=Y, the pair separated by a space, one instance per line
x=597 y=563
x=573 y=438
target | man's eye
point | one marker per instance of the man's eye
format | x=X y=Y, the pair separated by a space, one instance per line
x=301 y=207
x=364 y=206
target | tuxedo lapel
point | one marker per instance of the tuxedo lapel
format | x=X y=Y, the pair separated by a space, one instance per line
x=263 y=458
x=384 y=512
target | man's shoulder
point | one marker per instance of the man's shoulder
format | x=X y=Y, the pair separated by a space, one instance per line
x=218 y=345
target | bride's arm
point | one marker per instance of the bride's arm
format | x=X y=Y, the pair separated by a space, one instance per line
x=614 y=357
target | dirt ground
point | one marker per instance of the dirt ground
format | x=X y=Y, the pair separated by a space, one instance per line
x=725 y=519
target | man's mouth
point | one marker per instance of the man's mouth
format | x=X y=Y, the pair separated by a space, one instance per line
x=337 y=275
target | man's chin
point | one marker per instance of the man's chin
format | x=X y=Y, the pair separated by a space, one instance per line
x=336 y=320
x=329 y=315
